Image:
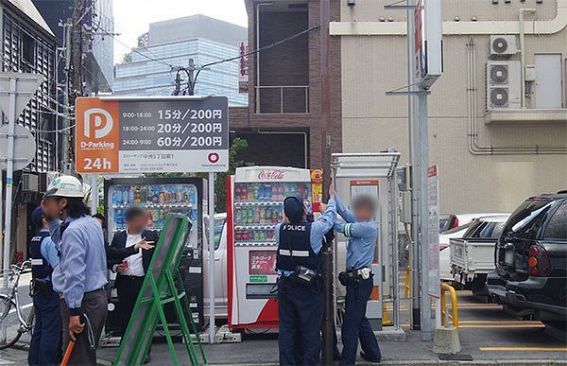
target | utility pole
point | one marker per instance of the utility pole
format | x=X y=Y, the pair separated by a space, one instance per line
x=74 y=72
x=191 y=77
x=327 y=254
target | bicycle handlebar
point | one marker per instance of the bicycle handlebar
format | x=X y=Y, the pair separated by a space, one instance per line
x=18 y=268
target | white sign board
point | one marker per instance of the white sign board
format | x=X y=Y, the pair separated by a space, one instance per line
x=243 y=67
x=428 y=42
x=433 y=230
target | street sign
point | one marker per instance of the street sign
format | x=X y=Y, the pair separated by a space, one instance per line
x=433 y=230
x=151 y=135
x=27 y=85
x=428 y=34
x=24 y=147
x=243 y=50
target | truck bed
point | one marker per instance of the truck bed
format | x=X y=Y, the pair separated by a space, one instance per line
x=472 y=256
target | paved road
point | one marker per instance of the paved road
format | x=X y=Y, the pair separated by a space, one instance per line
x=488 y=335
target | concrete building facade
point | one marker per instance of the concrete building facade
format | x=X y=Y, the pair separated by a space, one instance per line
x=148 y=69
x=282 y=122
x=493 y=151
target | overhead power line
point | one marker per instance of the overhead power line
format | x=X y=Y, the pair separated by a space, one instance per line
x=191 y=82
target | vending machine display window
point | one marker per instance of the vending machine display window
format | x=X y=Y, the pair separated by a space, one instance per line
x=254 y=208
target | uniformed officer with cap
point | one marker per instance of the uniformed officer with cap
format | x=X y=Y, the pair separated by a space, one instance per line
x=300 y=297
x=46 y=337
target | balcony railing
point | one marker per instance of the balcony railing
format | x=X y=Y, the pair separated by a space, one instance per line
x=282 y=99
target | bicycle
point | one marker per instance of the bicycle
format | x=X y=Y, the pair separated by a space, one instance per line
x=12 y=315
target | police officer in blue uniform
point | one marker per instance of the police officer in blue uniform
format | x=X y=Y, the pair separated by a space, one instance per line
x=361 y=230
x=300 y=296
x=45 y=343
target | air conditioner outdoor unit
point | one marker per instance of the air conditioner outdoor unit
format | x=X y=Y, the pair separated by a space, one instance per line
x=503 y=45
x=30 y=182
x=503 y=80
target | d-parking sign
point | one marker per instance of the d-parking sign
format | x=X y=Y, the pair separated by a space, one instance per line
x=151 y=135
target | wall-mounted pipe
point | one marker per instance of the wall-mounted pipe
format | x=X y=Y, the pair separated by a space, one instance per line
x=453 y=28
x=521 y=27
x=475 y=148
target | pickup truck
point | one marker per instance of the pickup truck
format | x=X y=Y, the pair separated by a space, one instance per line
x=472 y=256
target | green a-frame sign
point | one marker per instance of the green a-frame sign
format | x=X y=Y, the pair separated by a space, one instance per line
x=158 y=289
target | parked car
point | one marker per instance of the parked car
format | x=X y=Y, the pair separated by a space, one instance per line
x=531 y=260
x=221 y=294
x=472 y=256
x=463 y=220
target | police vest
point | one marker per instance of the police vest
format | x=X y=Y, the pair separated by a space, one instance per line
x=40 y=267
x=294 y=248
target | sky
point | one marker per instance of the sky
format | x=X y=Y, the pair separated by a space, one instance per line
x=132 y=17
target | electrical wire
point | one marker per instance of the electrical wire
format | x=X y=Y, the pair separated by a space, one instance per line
x=135 y=50
x=191 y=85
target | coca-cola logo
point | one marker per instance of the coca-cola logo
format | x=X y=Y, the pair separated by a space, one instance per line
x=271 y=175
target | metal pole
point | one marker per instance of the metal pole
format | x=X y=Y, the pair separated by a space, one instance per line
x=191 y=77
x=423 y=216
x=412 y=127
x=9 y=177
x=328 y=267
x=212 y=330
x=94 y=192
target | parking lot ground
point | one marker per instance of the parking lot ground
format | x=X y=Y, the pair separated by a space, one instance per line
x=488 y=335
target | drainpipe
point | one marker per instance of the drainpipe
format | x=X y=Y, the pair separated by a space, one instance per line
x=257 y=91
x=523 y=52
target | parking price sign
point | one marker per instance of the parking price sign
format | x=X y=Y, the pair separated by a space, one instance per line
x=151 y=135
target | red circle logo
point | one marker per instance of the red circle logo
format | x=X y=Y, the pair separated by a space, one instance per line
x=213 y=158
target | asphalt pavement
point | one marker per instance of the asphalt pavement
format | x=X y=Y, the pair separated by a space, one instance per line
x=488 y=337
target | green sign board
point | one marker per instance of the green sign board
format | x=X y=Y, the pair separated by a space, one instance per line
x=258 y=279
x=158 y=289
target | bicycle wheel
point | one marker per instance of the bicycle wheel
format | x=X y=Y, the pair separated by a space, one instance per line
x=9 y=321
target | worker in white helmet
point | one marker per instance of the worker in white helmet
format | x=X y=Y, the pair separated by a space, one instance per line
x=81 y=274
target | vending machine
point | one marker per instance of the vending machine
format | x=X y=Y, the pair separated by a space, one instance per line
x=160 y=196
x=255 y=198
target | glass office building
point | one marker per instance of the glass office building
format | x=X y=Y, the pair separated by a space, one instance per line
x=147 y=70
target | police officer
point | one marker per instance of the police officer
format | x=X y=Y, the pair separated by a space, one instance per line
x=46 y=337
x=300 y=297
x=361 y=230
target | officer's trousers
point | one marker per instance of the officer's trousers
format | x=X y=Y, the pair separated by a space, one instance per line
x=45 y=344
x=356 y=325
x=300 y=312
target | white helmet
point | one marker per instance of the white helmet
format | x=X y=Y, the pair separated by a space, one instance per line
x=65 y=186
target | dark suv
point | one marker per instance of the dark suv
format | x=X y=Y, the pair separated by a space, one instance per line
x=531 y=260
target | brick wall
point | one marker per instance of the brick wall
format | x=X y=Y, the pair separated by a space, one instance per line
x=246 y=118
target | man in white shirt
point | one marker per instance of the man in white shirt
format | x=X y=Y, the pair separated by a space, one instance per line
x=132 y=270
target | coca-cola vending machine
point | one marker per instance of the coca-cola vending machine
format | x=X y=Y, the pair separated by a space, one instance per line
x=254 y=206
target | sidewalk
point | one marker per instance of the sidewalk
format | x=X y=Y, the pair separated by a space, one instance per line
x=263 y=350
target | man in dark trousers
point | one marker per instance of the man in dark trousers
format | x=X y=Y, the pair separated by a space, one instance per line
x=300 y=296
x=45 y=344
x=132 y=270
x=362 y=232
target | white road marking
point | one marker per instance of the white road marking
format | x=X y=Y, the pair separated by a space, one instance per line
x=22 y=307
